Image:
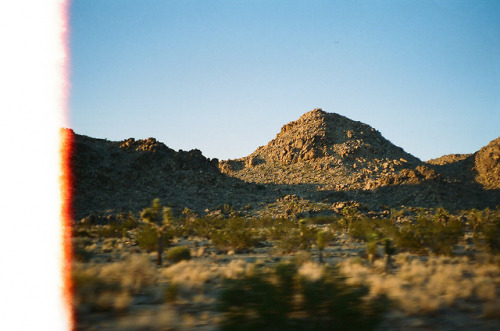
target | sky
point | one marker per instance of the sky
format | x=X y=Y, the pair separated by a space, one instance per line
x=225 y=76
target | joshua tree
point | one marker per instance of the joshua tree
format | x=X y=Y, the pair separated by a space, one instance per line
x=475 y=218
x=151 y=216
x=349 y=215
x=389 y=251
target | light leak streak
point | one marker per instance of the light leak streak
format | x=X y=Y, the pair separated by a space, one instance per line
x=66 y=137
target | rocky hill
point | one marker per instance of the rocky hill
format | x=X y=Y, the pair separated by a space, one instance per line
x=487 y=165
x=315 y=166
x=111 y=177
x=331 y=151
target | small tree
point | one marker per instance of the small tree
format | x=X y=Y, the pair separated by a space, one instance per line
x=151 y=216
x=349 y=215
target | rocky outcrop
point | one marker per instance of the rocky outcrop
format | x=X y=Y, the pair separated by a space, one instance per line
x=327 y=149
x=487 y=165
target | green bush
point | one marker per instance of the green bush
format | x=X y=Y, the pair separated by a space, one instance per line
x=362 y=229
x=179 y=253
x=234 y=235
x=147 y=238
x=291 y=236
x=201 y=227
x=428 y=235
x=366 y=229
x=491 y=235
x=128 y=221
x=284 y=300
x=112 y=230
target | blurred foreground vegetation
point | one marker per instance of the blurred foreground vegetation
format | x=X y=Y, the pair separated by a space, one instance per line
x=296 y=284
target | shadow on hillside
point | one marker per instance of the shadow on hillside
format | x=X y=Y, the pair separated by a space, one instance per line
x=109 y=179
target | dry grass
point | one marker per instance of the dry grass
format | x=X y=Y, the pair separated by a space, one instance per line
x=420 y=287
x=194 y=274
x=110 y=286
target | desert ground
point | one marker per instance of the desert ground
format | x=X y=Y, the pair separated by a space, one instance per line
x=230 y=272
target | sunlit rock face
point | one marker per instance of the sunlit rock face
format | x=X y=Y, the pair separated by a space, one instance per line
x=487 y=165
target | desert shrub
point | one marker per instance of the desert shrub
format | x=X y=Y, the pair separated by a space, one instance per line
x=298 y=237
x=259 y=223
x=179 y=253
x=439 y=283
x=234 y=235
x=112 y=230
x=201 y=227
x=147 y=238
x=337 y=224
x=428 y=235
x=366 y=229
x=362 y=229
x=114 y=227
x=491 y=235
x=287 y=298
x=110 y=287
x=279 y=228
x=128 y=221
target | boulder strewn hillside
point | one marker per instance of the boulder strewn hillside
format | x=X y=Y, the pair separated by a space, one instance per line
x=110 y=177
x=315 y=165
x=325 y=149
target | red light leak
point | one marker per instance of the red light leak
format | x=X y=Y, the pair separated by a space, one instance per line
x=66 y=184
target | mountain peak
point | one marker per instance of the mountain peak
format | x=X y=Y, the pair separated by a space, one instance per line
x=334 y=146
x=321 y=135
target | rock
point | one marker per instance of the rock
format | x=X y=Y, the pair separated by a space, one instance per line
x=487 y=165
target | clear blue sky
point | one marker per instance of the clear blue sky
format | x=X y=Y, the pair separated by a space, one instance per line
x=224 y=76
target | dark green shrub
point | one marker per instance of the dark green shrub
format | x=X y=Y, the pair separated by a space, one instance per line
x=362 y=229
x=234 y=235
x=112 y=230
x=128 y=221
x=201 y=227
x=292 y=302
x=491 y=235
x=366 y=229
x=428 y=235
x=297 y=237
x=179 y=253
